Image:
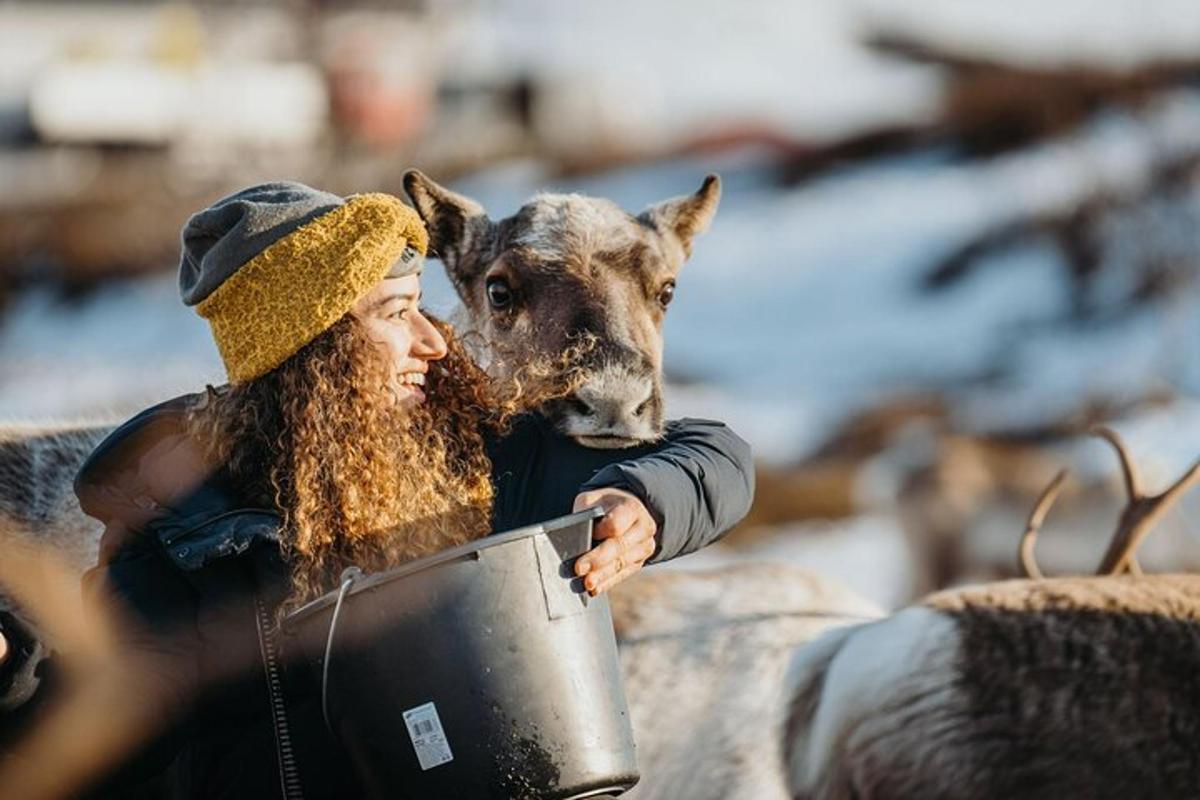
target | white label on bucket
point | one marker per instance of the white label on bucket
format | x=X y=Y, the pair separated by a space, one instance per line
x=428 y=738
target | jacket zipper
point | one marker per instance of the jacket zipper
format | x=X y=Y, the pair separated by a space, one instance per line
x=289 y=772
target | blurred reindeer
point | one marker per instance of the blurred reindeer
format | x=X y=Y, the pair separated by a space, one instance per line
x=704 y=655
x=1038 y=688
x=37 y=499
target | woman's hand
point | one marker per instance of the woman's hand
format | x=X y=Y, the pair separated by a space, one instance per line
x=627 y=533
x=3 y=649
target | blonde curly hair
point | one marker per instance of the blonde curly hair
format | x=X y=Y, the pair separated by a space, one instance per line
x=356 y=479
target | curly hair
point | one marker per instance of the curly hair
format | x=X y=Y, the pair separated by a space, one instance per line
x=357 y=479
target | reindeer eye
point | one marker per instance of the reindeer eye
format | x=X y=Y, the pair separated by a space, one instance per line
x=666 y=294
x=499 y=293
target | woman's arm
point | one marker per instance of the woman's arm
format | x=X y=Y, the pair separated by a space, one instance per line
x=695 y=483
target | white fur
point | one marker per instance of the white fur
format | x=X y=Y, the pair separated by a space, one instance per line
x=704 y=655
x=477 y=345
x=901 y=662
x=613 y=393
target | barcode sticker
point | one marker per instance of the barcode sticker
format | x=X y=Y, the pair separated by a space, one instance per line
x=428 y=738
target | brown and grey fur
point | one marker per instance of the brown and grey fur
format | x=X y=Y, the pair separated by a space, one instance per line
x=1067 y=687
x=1043 y=688
x=37 y=473
x=582 y=273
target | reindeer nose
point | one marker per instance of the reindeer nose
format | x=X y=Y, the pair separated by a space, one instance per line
x=611 y=404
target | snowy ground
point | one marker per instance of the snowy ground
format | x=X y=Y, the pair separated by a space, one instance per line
x=666 y=69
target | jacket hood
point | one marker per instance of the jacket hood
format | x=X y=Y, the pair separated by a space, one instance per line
x=150 y=470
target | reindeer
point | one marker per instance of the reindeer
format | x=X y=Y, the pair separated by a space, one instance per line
x=1043 y=687
x=564 y=270
x=703 y=655
x=37 y=472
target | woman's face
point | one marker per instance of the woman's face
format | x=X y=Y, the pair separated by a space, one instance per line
x=392 y=317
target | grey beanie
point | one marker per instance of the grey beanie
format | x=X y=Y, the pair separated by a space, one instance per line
x=236 y=228
x=274 y=265
x=217 y=241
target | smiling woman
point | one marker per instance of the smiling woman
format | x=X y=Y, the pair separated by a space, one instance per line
x=354 y=431
x=391 y=315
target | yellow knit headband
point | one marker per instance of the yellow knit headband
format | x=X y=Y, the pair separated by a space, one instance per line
x=300 y=285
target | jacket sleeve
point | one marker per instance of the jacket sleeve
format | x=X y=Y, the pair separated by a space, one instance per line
x=155 y=612
x=26 y=651
x=26 y=668
x=159 y=638
x=698 y=483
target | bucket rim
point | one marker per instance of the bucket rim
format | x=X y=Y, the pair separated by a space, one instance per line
x=373 y=579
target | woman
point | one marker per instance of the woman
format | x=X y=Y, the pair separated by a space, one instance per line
x=353 y=431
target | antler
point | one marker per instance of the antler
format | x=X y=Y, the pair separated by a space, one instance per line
x=1141 y=512
x=1034 y=525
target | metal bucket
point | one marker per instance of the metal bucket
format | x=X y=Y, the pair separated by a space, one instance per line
x=485 y=671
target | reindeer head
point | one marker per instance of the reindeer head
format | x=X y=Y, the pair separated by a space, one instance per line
x=565 y=271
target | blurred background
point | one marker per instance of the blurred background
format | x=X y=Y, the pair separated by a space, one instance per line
x=953 y=237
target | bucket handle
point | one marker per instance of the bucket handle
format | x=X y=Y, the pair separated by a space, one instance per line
x=349 y=576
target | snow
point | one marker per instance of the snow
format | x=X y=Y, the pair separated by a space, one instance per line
x=129 y=345
x=658 y=71
x=670 y=69
x=868 y=554
x=1116 y=33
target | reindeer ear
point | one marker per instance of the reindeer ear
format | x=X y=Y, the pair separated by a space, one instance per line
x=687 y=216
x=458 y=226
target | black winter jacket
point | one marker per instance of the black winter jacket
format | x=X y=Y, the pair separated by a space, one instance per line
x=192 y=570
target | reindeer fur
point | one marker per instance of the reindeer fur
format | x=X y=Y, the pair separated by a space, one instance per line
x=1065 y=687
x=37 y=500
x=703 y=656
